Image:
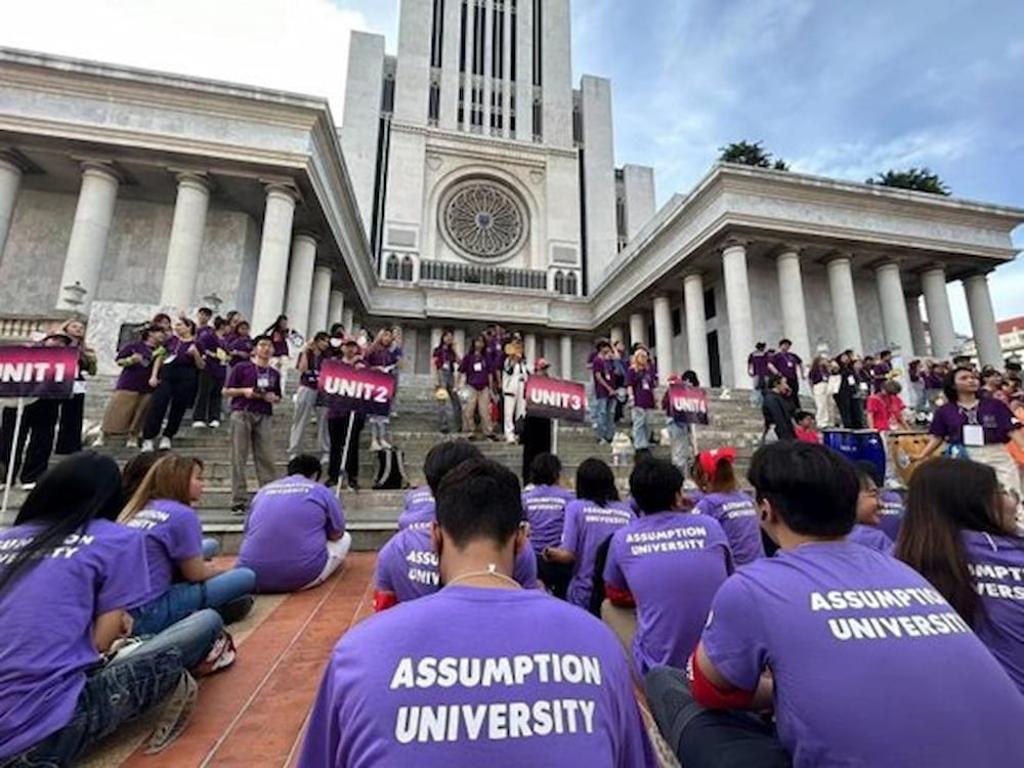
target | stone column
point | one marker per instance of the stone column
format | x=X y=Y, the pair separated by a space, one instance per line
x=895 y=321
x=435 y=337
x=791 y=301
x=617 y=334
x=530 y=347
x=320 y=299
x=10 y=181
x=186 y=243
x=460 y=341
x=913 y=304
x=83 y=263
x=336 y=308
x=300 y=286
x=347 y=318
x=844 y=304
x=741 y=318
x=940 y=317
x=272 y=273
x=696 y=328
x=637 y=329
x=983 y=321
x=566 y=361
x=663 y=335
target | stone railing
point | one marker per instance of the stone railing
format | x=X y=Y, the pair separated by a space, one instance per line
x=473 y=274
x=18 y=329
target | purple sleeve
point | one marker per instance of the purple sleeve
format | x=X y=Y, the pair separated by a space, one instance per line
x=382 y=577
x=613 y=575
x=323 y=734
x=233 y=377
x=335 y=514
x=186 y=539
x=734 y=636
x=124 y=579
x=525 y=568
x=569 y=532
x=940 y=425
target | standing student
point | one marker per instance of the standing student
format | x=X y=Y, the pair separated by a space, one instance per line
x=642 y=380
x=380 y=356
x=604 y=393
x=475 y=373
x=790 y=367
x=722 y=500
x=862 y=383
x=212 y=343
x=128 y=406
x=180 y=581
x=67 y=580
x=960 y=534
x=308 y=399
x=295 y=535
x=538 y=431
x=344 y=426
x=778 y=409
x=544 y=503
x=449 y=408
x=376 y=707
x=254 y=387
x=881 y=370
x=867 y=530
x=801 y=616
x=621 y=361
x=818 y=377
x=241 y=345
x=846 y=390
x=590 y=522
x=758 y=368
x=72 y=411
x=174 y=379
x=515 y=371
x=680 y=435
x=279 y=334
x=665 y=565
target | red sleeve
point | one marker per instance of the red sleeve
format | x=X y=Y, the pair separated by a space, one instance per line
x=710 y=696
x=620 y=598
x=384 y=600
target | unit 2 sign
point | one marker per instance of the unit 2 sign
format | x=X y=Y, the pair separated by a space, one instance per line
x=357 y=389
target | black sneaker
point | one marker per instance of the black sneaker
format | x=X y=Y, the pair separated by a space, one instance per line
x=238 y=509
x=236 y=609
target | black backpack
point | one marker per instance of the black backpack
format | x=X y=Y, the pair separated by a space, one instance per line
x=390 y=470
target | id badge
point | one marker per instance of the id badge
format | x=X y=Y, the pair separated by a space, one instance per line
x=78 y=388
x=647 y=385
x=263 y=382
x=478 y=367
x=974 y=435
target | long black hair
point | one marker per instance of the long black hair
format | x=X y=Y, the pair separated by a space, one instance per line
x=595 y=482
x=949 y=385
x=82 y=488
x=275 y=326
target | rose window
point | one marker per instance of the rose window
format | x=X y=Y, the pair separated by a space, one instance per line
x=484 y=221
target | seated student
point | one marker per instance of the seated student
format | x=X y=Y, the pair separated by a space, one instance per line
x=417 y=508
x=407 y=566
x=960 y=534
x=161 y=511
x=544 y=502
x=483 y=672
x=853 y=642
x=68 y=576
x=590 y=522
x=806 y=428
x=136 y=469
x=666 y=564
x=295 y=534
x=725 y=502
x=866 y=530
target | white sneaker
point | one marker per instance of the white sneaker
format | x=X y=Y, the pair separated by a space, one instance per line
x=28 y=486
x=98 y=442
x=374 y=445
x=131 y=442
x=385 y=445
x=214 y=424
x=198 y=425
x=165 y=443
x=147 y=446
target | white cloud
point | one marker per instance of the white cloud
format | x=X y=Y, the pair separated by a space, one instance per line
x=294 y=45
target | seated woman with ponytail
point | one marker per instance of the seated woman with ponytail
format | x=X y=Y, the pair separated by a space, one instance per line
x=68 y=577
x=959 y=533
x=161 y=510
x=722 y=500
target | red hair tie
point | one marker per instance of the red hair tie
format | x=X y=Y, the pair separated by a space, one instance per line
x=709 y=459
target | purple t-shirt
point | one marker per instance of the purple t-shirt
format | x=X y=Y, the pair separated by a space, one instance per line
x=245 y=375
x=173 y=533
x=476 y=369
x=135 y=378
x=818 y=374
x=477 y=677
x=737 y=515
x=285 y=539
x=643 y=384
x=997 y=565
x=407 y=566
x=995 y=418
x=587 y=526
x=786 y=364
x=418 y=509
x=179 y=353
x=602 y=372
x=240 y=348
x=544 y=508
x=444 y=358
x=934 y=380
x=870 y=536
x=660 y=558
x=891 y=510
x=46 y=645
x=856 y=641
x=879 y=373
x=757 y=362
x=210 y=344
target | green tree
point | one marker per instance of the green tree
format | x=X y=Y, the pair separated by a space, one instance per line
x=750 y=153
x=918 y=179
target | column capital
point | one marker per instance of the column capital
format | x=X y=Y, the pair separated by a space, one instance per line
x=195 y=179
x=886 y=265
x=733 y=241
x=307 y=235
x=934 y=268
x=839 y=256
x=102 y=169
x=9 y=159
x=981 y=275
x=281 y=189
x=788 y=249
x=691 y=276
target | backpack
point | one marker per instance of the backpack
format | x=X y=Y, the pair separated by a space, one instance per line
x=390 y=470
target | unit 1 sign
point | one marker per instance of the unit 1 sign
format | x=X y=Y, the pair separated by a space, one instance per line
x=43 y=372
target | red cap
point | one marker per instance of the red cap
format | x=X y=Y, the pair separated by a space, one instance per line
x=675 y=378
x=709 y=459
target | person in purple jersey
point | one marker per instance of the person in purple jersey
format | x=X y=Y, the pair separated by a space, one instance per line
x=475 y=374
x=590 y=522
x=307 y=398
x=867 y=530
x=295 y=535
x=445 y=360
x=960 y=534
x=279 y=334
x=254 y=387
x=843 y=643
x=544 y=502
x=662 y=571
x=381 y=357
x=604 y=393
x=68 y=576
x=240 y=346
x=174 y=379
x=758 y=368
x=722 y=500
x=881 y=370
x=789 y=366
x=181 y=582
x=417 y=508
x=483 y=672
x=891 y=510
x=128 y=406
x=642 y=380
x=208 y=408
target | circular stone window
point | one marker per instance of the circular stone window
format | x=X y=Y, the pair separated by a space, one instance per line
x=483 y=220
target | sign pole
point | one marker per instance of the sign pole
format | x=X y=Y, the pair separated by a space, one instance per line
x=554 y=437
x=344 y=453
x=13 y=455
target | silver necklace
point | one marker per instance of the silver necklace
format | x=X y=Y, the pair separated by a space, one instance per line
x=492 y=571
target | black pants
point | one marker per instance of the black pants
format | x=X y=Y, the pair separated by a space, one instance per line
x=844 y=402
x=177 y=389
x=337 y=429
x=69 y=432
x=703 y=737
x=536 y=439
x=35 y=439
x=794 y=392
x=208 y=399
x=556 y=576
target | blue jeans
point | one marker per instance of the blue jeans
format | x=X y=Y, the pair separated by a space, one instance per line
x=184 y=598
x=211 y=548
x=604 y=415
x=641 y=428
x=126 y=688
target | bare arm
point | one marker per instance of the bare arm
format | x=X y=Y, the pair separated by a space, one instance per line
x=558 y=555
x=196 y=570
x=108 y=627
x=934 y=443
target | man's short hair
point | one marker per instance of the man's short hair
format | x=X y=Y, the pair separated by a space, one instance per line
x=444 y=457
x=654 y=485
x=774 y=380
x=261 y=337
x=801 y=415
x=812 y=488
x=305 y=465
x=545 y=469
x=205 y=311
x=785 y=341
x=479 y=499
x=322 y=336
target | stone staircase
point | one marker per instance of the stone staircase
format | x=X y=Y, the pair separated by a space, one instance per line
x=372 y=515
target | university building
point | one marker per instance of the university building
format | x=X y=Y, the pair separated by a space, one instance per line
x=471 y=181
